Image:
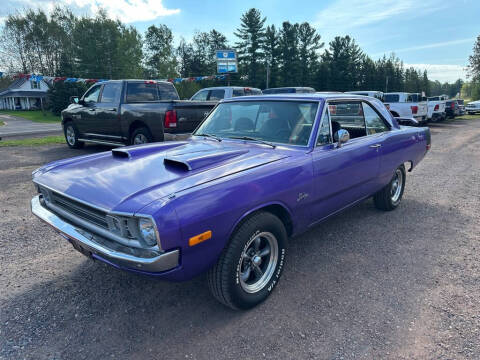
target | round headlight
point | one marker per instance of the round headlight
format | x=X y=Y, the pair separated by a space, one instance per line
x=147 y=231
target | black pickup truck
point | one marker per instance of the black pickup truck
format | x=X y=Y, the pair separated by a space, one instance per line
x=119 y=112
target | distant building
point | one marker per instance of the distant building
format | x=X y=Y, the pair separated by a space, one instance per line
x=24 y=94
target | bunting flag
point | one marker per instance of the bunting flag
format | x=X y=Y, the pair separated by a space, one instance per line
x=54 y=79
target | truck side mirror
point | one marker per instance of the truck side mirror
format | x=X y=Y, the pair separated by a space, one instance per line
x=74 y=100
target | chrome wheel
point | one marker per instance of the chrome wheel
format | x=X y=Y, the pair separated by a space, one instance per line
x=140 y=139
x=396 y=186
x=258 y=262
x=70 y=135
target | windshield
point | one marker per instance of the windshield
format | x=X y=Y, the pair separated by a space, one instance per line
x=390 y=98
x=285 y=122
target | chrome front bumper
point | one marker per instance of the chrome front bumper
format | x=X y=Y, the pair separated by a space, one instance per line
x=89 y=244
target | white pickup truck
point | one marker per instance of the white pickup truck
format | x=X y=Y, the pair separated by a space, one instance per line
x=436 y=108
x=406 y=105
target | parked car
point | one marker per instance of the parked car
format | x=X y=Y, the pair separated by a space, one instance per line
x=119 y=112
x=436 y=108
x=452 y=109
x=224 y=92
x=289 y=90
x=473 y=107
x=375 y=94
x=406 y=105
x=226 y=201
x=461 y=106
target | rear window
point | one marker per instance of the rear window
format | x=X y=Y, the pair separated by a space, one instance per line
x=253 y=91
x=434 y=98
x=167 y=92
x=390 y=98
x=460 y=102
x=217 y=94
x=238 y=92
x=142 y=92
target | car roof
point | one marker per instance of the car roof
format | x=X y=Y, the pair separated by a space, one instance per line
x=299 y=96
x=228 y=87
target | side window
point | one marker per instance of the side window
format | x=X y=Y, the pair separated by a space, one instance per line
x=200 y=96
x=216 y=95
x=92 y=95
x=111 y=93
x=167 y=92
x=141 y=92
x=348 y=116
x=324 y=137
x=373 y=121
x=238 y=92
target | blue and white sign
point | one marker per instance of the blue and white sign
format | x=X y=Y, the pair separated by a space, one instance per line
x=226 y=61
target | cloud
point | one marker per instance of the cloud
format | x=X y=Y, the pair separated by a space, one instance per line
x=428 y=46
x=127 y=11
x=442 y=73
x=343 y=15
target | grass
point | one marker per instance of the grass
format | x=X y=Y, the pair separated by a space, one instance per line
x=34 y=115
x=47 y=140
x=467 y=117
x=1 y=123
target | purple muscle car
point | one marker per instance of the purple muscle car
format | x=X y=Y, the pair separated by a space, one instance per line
x=257 y=171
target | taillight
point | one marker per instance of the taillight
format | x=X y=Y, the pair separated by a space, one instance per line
x=170 y=119
x=414 y=109
x=387 y=106
x=436 y=108
x=452 y=105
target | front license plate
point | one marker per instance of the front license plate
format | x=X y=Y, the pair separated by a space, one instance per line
x=80 y=249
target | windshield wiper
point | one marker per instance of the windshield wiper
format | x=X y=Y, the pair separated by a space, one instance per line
x=210 y=136
x=253 y=139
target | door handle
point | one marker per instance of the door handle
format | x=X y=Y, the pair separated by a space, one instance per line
x=113 y=109
x=91 y=109
x=376 y=146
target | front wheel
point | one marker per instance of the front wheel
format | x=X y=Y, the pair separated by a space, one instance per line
x=390 y=196
x=71 y=136
x=250 y=266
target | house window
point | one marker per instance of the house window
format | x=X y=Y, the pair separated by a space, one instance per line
x=35 y=84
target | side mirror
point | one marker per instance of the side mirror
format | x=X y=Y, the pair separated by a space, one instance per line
x=406 y=121
x=341 y=137
x=74 y=99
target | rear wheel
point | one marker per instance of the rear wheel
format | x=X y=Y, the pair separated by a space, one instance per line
x=250 y=266
x=390 y=196
x=141 y=136
x=71 y=136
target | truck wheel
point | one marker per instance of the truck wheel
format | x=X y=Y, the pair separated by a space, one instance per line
x=141 y=136
x=250 y=266
x=71 y=136
x=390 y=196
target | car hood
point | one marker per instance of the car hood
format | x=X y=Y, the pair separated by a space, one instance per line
x=128 y=178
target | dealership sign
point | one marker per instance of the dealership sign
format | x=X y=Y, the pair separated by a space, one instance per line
x=226 y=61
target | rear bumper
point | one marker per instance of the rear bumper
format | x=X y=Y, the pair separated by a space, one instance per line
x=110 y=252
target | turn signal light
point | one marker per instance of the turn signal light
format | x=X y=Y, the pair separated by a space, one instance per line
x=200 y=238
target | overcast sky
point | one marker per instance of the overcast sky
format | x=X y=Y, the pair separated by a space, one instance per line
x=432 y=34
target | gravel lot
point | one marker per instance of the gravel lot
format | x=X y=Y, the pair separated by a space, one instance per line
x=364 y=284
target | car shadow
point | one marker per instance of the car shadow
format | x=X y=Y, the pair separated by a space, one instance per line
x=357 y=271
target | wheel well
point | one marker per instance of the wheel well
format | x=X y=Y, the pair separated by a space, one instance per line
x=134 y=126
x=277 y=210
x=64 y=121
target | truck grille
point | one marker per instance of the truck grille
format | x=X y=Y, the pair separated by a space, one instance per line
x=76 y=208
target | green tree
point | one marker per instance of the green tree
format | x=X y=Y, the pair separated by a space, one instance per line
x=160 y=60
x=474 y=61
x=271 y=53
x=308 y=45
x=251 y=34
x=289 y=57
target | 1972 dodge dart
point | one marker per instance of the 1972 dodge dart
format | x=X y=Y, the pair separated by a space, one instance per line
x=256 y=172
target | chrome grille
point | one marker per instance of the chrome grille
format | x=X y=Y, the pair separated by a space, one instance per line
x=83 y=211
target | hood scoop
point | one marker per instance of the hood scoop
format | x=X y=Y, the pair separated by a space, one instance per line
x=129 y=152
x=193 y=161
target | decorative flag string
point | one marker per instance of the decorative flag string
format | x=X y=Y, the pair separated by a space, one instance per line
x=52 y=79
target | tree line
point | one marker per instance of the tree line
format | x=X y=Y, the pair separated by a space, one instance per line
x=293 y=54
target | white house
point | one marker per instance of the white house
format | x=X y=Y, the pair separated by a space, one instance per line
x=24 y=94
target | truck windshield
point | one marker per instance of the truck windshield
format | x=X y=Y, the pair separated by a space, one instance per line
x=391 y=98
x=284 y=122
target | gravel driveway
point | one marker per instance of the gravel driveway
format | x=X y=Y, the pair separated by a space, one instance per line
x=362 y=285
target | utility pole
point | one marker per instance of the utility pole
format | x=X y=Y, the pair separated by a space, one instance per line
x=386 y=84
x=268 y=74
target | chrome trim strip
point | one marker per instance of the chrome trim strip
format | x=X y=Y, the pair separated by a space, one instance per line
x=162 y=262
x=101 y=142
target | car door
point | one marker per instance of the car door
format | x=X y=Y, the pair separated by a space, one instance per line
x=107 y=112
x=86 y=122
x=347 y=173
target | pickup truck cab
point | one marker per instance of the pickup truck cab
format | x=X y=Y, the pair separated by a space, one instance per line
x=119 y=112
x=406 y=105
x=224 y=92
x=289 y=90
x=436 y=108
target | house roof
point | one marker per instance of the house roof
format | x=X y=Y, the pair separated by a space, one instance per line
x=11 y=90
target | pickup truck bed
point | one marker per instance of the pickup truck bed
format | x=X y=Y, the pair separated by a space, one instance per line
x=120 y=112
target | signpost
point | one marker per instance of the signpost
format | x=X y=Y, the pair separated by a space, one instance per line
x=226 y=62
